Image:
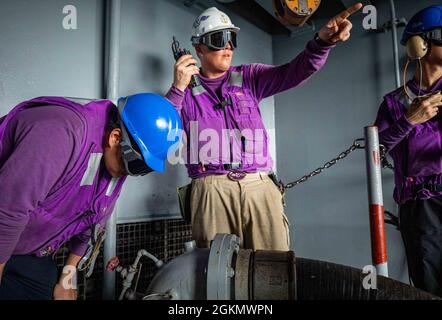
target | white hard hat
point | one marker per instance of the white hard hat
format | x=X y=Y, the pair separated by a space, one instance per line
x=212 y=20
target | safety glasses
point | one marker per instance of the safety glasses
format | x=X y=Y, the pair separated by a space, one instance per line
x=218 y=40
x=132 y=158
x=435 y=36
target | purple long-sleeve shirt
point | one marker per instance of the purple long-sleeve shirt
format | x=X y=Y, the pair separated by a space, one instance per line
x=41 y=152
x=245 y=86
x=54 y=187
x=415 y=149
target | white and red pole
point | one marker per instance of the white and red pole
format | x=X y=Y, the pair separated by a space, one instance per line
x=375 y=200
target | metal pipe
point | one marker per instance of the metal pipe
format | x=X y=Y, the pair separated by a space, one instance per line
x=397 y=72
x=272 y=275
x=129 y=275
x=376 y=202
x=144 y=253
x=395 y=43
x=112 y=53
x=320 y=280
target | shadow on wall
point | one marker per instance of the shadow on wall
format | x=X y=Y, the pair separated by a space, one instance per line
x=165 y=192
x=153 y=69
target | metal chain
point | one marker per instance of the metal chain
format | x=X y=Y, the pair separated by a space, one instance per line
x=355 y=146
x=384 y=161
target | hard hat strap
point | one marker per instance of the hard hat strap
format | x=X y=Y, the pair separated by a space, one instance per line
x=435 y=36
x=132 y=159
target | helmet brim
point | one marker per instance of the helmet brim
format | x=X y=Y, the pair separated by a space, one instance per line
x=157 y=164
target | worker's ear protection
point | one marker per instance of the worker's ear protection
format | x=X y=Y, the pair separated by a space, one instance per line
x=417 y=47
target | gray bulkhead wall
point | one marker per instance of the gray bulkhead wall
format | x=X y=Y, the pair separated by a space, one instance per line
x=39 y=57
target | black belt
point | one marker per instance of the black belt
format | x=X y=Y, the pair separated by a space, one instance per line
x=232 y=166
x=431 y=187
x=233 y=174
x=226 y=166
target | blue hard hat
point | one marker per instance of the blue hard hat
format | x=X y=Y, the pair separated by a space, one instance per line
x=425 y=20
x=154 y=124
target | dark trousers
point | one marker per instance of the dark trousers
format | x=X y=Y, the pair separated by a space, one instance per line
x=421 y=228
x=28 y=278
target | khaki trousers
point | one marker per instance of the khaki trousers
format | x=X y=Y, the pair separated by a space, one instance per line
x=250 y=208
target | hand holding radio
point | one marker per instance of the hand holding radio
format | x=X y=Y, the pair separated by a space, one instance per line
x=185 y=70
x=424 y=108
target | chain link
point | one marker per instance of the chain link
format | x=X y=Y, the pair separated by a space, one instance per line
x=384 y=160
x=357 y=144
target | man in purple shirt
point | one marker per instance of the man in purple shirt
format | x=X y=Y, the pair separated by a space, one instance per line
x=62 y=167
x=227 y=144
x=410 y=128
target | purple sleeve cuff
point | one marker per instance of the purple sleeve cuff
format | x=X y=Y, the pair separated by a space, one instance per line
x=78 y=244
x=394 y=134
x=403 y=125
x=4 y=258
x=322 y=44
x=176 y=97
x=11 y=229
